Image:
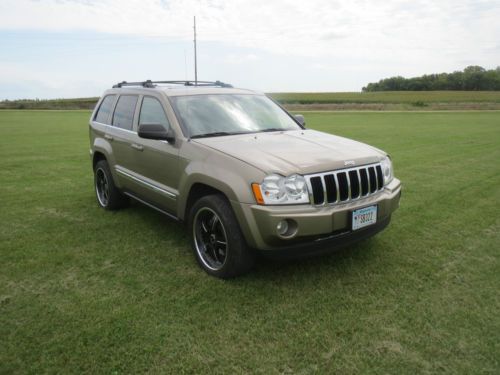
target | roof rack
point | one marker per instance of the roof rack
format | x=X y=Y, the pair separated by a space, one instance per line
x=151 y=84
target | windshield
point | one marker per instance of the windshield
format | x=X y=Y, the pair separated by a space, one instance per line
x=220 y=114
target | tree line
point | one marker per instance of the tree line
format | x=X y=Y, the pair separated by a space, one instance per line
x=472 y=78
x=69 y=104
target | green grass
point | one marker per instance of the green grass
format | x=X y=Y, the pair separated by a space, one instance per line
x=88 y=291
x=397 y=97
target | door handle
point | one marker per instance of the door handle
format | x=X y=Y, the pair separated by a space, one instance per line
x=137 y=147
x=108 y=137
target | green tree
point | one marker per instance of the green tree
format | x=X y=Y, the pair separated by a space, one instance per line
x=471 y=78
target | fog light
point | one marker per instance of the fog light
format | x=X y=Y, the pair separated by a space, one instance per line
x=282 y=227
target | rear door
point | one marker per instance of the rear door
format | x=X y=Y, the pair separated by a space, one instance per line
x=102 y=119
x=121 y=135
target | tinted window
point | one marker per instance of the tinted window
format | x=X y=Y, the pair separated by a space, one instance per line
x=105 y=109
x=152 y=113
x=124 y=112
x=205 y=114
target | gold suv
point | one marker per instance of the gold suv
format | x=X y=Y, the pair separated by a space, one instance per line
x=242 y=172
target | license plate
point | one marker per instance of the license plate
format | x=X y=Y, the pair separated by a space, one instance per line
x=363 y=217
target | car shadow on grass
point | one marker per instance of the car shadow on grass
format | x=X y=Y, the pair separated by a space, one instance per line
x=337 y=261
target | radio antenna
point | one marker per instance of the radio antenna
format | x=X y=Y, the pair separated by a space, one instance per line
x=185 y=65
x=195 y=60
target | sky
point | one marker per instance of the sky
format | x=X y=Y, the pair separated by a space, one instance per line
x=79 y=48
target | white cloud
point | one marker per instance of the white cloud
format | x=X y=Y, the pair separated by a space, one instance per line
x=20 y=80
x=240 y=59
x=330 y=44
x=358 y=29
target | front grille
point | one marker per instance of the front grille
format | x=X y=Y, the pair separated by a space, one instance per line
x=345 y=185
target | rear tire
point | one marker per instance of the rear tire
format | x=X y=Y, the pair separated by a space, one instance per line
x=108 y=195
x=216 y=238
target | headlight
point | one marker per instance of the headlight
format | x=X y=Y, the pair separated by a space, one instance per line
x=387 y=170
x=276 y=189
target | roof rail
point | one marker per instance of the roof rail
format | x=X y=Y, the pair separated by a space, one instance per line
x=151 y=84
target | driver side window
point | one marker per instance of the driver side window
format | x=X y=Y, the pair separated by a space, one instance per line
x=152 y=113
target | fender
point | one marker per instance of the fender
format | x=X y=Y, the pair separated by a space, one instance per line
x=234 y=186
x=104 y=147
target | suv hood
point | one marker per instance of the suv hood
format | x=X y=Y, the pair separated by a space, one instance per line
x=297 y=151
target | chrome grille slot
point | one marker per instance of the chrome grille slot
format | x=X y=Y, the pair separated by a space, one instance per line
x=353 y=177
x=317 y=190
x=345 y=185
x=380 y=177
x=331 y=188
x=364 y=181
x=373 y=179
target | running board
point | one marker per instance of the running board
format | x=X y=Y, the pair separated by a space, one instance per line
x=151 y=206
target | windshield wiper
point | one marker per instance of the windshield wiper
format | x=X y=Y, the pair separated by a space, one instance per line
x=220 y=134
x=215 y=134
x=273 y=130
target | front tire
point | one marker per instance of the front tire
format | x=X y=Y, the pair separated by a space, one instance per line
x=216 y=238
x=108 y=195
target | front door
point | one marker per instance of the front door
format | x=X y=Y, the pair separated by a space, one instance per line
x=157 y=161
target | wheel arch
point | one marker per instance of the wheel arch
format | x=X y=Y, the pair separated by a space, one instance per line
x=205 y=187
x=97 y=157
x=102 y=150
x=197 y=191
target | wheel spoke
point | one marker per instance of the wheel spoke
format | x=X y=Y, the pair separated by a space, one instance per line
x=213 y=224
x=222 y=252
x=204 y=227
x=210 y=252
x=204 y=232
x=216 y=254
x=220 y=245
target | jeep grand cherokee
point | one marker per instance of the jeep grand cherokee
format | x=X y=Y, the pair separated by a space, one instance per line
x=242 y=172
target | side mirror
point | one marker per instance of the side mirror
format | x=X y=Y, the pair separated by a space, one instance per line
x=156 y=131
x=301 y=120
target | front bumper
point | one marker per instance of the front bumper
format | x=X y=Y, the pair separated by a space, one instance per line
x=314 y=223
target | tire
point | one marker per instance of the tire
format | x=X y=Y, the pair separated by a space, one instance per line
x=108 y=195
x=211 y=223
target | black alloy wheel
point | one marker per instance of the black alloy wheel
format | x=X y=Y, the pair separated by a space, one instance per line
x=210 y=238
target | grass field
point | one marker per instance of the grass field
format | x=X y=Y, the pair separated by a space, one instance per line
x=396 y=97
x=88 y=291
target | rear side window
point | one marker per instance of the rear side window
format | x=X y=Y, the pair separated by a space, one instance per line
x=124 y=112
x=104 y=110
x=152 y=112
